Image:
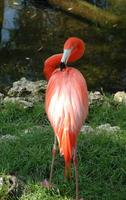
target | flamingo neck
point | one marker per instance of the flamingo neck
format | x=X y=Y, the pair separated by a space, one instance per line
x=51 y=64
x=73 y=50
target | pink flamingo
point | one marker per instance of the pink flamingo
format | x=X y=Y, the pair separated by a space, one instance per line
x=66 y=102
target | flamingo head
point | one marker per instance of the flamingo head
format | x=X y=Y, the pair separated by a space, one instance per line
x=73 y=50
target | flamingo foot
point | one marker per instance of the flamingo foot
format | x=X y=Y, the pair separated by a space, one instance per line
x=46 y=184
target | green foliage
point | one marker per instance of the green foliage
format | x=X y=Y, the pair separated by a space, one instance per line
x=25 y=150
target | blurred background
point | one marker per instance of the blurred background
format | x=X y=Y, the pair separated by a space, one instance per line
x=33 y=30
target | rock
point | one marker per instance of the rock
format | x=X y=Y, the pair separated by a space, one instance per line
x=8 y=137
x=103 y=126
x=28 y=89
x=33 y=128
x=10 y=186
x=95 y=96
x=25 y=92
x=86 y=129
x=108 y=128
x=1 y=181
x=120 y=97
x=99 y=129
x=19 y=101
x=114 y=129
x=1 y=97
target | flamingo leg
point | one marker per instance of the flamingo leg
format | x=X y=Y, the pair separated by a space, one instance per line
x=53 y=159
x=75 y=162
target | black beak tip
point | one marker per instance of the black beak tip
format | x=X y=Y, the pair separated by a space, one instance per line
x=62 y=66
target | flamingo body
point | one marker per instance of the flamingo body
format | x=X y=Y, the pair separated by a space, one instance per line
x=67 y=107
x=66 y=102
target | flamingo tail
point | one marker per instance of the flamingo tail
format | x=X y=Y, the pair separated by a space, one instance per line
x=67 y=143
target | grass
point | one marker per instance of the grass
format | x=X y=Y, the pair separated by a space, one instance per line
x=102 y=160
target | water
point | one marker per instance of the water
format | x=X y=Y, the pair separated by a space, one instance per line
x=31 y=34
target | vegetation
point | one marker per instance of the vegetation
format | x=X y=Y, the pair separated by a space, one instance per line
x=86 y=10
x=25 y=147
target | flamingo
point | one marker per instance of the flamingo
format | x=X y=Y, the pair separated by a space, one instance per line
x=66 y=103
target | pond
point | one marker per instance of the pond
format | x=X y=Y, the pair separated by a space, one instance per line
x=31 y=33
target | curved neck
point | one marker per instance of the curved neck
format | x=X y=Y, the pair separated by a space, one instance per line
x=73 y=50
x=51 y=64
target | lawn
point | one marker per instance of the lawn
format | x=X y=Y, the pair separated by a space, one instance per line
x=26 y=139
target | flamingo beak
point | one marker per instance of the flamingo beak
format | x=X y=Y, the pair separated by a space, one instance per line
x=65 y=57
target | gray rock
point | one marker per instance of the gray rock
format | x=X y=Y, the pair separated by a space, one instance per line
x=108 y=128
x=33 y=128
x=86 y=129
x=120 y=97
x=25 y=92
x=99 y=129
x=1 y=181
x=8 y=137
x=114 y=129
x=18 y=100
x=95 y=96
x=10 y=184
x=28 y=89
x=11 y=99
x=1 y=97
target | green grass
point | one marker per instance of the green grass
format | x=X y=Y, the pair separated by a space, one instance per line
x=107 y=111
x=102 y=157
